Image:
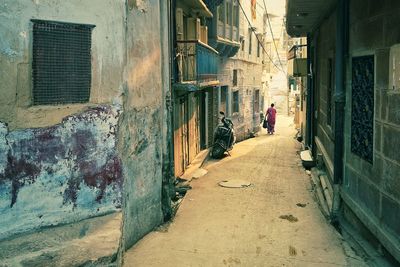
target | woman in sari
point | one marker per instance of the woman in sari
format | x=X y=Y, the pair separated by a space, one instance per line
x=271 y=118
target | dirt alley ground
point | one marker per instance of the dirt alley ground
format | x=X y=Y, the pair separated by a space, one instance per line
x=218 y=226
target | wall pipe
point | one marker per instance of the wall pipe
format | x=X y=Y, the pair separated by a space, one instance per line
x=340 y=100
x=340 y=97
x=309 y=99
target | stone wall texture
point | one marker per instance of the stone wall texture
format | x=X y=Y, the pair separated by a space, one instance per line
x=371 y=190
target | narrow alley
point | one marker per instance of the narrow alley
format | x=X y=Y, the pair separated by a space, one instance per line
x=133 y=133
x=273 y=222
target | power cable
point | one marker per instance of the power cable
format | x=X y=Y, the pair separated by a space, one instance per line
x=272 y=34
x=262 y=45
x=259 y=42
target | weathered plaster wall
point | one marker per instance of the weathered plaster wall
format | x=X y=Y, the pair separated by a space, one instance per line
x=372 y=190
x=141 y=132
x=56 y=170
x=59 y=174
x=16 y=57
x=59 y=164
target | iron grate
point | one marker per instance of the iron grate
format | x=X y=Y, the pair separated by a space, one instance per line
x=61 y=64
x=362 y=111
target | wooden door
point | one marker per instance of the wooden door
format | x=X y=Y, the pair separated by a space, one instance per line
x=179 y=137
x=193 y=127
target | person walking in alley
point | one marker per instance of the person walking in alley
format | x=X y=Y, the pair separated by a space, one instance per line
x=271 y=118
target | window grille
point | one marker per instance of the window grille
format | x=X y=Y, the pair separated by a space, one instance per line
x=329 y=96
x=250 y=41
x=362 y=110
x=235 y=102
x=61 y=64
x=224 y=96
x=256 y=101
x=235 y=78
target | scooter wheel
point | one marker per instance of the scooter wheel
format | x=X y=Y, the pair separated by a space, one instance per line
x=217 y=152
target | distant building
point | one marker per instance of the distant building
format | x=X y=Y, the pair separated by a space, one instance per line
x=241 y=66
x=297 y=75
x=275 y=71
x=215 y=69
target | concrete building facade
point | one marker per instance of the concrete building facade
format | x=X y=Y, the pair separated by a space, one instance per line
x=240 y=74
x=195 y=82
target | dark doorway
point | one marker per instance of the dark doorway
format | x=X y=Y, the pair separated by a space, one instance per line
x=203 y=118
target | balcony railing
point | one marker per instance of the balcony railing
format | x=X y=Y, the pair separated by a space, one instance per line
x=197 y=62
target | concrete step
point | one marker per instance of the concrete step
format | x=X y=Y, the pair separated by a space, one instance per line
x=84 y=243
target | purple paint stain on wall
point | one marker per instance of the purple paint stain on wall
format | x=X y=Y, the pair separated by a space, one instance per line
x=109 y=174
x=74 y=163
x=20 y=172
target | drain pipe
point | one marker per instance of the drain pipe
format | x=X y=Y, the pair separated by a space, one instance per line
x=340 y=100
x=309 y=111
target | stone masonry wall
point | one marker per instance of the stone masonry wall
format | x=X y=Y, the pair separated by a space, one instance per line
x=326 y=42
x=373 y=190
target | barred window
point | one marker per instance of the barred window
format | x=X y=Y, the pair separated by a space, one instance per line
x=61 y=64
x=256 y=101
x=330 y=91
x=235 y=102
x=362 y=108
x=235 y=78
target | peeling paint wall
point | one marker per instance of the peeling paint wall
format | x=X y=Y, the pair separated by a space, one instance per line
x=143 y=122
x=60 y=174
x=61 y=164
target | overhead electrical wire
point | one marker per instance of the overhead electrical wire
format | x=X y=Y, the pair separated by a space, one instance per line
x=259 y=42
x=262 y=46
x=272 y=34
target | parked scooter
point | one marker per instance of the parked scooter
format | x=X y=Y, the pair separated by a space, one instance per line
x=224 y=137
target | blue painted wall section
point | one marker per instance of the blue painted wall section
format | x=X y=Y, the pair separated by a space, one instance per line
x=60 y=174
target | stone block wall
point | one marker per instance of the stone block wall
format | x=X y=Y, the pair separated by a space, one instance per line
x=325 y=43
x=372 y=189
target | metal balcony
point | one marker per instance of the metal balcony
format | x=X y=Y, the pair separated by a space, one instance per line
x=197 y=63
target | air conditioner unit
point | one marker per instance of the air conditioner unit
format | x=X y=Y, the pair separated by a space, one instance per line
x=179 y=24
x=297 y=67
x=193 y=29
